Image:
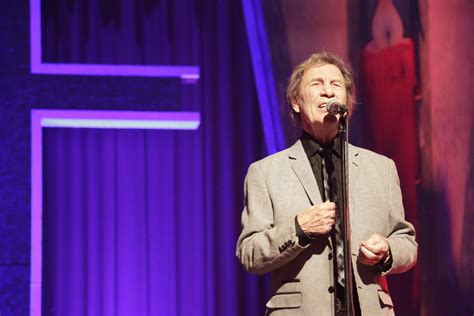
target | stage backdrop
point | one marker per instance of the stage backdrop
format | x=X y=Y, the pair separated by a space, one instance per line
x=231 y=131
x=145 y=222
x=126 y=230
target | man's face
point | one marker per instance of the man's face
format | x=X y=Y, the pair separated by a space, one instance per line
x=320 y=84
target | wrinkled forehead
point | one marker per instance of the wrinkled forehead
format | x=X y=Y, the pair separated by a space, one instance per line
x=324 y=71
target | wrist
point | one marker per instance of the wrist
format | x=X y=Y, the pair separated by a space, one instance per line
x=303 y=238
x=385 y=263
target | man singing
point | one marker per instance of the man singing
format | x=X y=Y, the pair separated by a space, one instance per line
x=291 y=225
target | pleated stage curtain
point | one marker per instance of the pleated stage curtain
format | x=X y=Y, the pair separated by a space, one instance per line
x=124 y=223
x=145 y=222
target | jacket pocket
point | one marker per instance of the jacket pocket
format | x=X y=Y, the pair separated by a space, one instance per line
x=385 y=299
x=287 y=296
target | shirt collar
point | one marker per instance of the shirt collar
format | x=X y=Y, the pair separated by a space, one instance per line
x=311 y=146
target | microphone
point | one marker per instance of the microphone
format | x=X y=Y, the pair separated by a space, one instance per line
x=333 y=107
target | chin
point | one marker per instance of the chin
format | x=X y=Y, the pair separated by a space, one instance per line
x=330 y=119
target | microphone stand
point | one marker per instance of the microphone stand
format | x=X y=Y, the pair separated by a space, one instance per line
x=348 y=286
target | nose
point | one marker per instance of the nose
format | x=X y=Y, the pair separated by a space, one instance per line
x=327 y=91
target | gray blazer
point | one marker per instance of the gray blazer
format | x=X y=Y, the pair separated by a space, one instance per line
x=282 y=185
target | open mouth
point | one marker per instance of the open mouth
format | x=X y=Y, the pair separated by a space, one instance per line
x=322 y=105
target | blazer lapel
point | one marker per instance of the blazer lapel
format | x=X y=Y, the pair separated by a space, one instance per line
x=302 y=168
x=353 y=172
x=300 y=164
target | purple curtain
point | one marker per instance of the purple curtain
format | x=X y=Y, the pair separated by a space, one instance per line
x=146 y=32
x=118 y=239
x=124 y=223
x=135 y=224
x=145 y=222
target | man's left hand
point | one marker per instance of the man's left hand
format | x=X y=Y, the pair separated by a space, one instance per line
x=373 y=250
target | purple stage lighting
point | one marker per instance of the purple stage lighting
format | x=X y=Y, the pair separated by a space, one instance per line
x=189 y=74
x=82 y=119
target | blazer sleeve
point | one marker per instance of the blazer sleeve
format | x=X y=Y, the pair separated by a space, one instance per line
x=401 y=233
x=263 y=246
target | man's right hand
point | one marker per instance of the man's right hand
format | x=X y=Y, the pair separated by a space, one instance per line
x=317 y=220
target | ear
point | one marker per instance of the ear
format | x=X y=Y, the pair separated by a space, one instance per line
x=295 y=106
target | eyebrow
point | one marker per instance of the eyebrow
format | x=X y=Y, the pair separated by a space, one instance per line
x=322 y=79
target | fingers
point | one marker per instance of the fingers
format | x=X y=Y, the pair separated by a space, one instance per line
x=324 y=210
x=327 y=205
x=327 y=211
x=367 y=257
x=376 y=244
x=319 y=219
x=373 y=250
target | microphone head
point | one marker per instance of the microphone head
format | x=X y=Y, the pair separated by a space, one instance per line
x=333 y=107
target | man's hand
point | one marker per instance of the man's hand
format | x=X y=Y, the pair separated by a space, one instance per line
x=317 y=220
x=373 y=250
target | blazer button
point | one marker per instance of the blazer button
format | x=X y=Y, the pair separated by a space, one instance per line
x=330 y=256
x=331 y=289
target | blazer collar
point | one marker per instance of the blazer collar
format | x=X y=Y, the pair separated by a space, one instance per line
x=301 y=167
x=353 y=171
